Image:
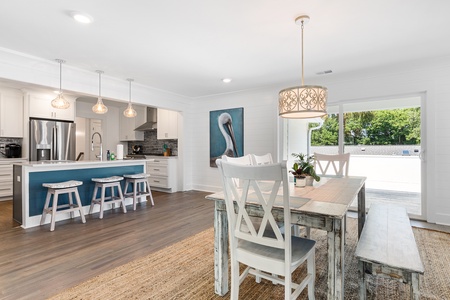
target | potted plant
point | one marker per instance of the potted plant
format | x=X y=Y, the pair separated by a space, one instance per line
x=303 y=168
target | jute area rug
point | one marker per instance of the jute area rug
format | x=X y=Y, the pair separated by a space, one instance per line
x=186 y=271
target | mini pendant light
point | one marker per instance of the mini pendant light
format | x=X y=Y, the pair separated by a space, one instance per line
x=305 y=101
x=99 y=108
x=129 y=112
x=60 y=102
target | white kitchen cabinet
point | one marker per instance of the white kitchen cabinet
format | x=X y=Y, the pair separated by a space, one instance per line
x=163 y=174
x=11 y=113
x=6 y=176
x=127 y=125
x=167 y=127
x=40 y=107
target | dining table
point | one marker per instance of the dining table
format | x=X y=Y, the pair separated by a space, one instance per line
x=323 y=205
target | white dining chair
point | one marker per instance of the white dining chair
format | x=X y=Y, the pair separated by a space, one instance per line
x=262 y=159
x=264 y=250
x=331 y=164
x=242 y=160
x=245 y=160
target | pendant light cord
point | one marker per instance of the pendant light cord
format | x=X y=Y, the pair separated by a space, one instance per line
x=99 y=84
x=60 y=77
x=130 y=80
x=302 y=55
x=60 y=61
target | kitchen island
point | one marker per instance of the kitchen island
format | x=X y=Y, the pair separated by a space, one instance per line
x=29 y=194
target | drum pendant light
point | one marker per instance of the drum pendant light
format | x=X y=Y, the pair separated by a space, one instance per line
x=130 y=112
x=99 y=108
x=305 y=101
x=60 y=102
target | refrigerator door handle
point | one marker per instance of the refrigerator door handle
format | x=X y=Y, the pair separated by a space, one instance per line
x=54 y=143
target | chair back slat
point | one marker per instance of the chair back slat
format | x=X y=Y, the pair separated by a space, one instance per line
x=331 y=165
x=238 y=200
x=265 y=159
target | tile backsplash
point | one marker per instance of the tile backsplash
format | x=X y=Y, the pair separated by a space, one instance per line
x=152 y=145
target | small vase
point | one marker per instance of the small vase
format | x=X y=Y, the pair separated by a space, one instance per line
x=299 y=182
x=309 y=180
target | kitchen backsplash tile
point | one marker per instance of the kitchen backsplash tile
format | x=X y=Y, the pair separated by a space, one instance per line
x=152 y=145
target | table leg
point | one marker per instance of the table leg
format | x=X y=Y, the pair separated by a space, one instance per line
x=220 y=250
x=361 y=209
x=336 y=260
x=362 y=280
x=415 y=291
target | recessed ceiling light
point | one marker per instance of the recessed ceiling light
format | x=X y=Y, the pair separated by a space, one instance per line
x=82 y=17
x=226 y=80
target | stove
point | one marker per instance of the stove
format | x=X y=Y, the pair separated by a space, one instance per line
x=143 y=155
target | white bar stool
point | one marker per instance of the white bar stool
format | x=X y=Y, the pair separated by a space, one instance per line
x=140 y=185
x=56 y=189
x=103 y=183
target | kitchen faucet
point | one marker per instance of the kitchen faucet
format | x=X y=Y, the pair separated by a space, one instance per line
x=100 y=156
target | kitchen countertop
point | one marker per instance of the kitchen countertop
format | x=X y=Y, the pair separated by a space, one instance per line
x=11 y=158
x=81 y=163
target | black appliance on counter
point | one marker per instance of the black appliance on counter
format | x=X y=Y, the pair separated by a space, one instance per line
x=13 y=150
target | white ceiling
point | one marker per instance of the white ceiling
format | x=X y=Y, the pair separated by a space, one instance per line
x=187 y=47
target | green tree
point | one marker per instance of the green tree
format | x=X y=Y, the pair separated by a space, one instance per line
x=395 y=127
x=381 y=127
x=355 y=127
x=328 y=133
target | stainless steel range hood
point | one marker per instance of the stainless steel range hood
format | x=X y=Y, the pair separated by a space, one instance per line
x=151 y=120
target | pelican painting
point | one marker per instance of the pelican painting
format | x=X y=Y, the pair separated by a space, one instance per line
x=226 y=134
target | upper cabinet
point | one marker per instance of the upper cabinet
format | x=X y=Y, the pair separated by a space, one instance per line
x=127 y=125
x=167 y=124
x=11 y=113
x=40 y=107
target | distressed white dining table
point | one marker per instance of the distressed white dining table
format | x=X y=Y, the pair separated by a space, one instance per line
x=323 y=206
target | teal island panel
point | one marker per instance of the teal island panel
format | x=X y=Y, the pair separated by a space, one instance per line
x=38 y=193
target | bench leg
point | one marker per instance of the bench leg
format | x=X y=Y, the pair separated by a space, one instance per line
x=362 y=280
x=415 y=293
x=94 y=196
x=72 y=215
x=54 y=209
x=122 y=199
x=135 y=187
x=45 y=210
x=150 y=192
x=80 y=206
x=102 y=201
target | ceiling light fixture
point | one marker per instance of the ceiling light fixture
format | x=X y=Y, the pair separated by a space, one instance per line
x=226 y=80
x=130 y=112
x=82 y=17
x=305 y=101
x=99 y=108
x=60 y=102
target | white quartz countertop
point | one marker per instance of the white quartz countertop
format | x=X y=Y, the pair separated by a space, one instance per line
x=71 y=163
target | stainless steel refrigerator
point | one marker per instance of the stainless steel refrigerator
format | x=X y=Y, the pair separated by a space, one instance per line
x=51 y=140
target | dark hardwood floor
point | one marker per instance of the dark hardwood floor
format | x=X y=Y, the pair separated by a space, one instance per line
x=36 y=263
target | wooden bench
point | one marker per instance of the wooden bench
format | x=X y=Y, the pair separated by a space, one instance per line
x=387 y=248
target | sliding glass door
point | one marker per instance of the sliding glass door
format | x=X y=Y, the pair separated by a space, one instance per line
x=384 y=138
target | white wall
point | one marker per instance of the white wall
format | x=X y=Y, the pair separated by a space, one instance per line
x=261 y=121
x=260 y=131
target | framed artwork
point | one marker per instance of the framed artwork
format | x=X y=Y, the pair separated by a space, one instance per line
x=226 y=134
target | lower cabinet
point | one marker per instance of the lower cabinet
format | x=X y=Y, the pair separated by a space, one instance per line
x=163 y=174
x=6 y=176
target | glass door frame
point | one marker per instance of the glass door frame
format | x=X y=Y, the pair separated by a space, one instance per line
x=283 y=143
